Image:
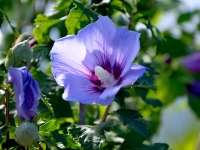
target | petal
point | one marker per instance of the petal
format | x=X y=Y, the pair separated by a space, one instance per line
x=126 y=47
x=32 y=95
x=15 y=77
x=132 y=75
x=80 y=89
x=69 y=55
x=110 y=92
x=191 y=61
x=106 y=101
x=98 y=39
x=27 y=92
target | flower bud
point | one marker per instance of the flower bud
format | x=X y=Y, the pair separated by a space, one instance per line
x=23 y=36
x=19 y=55
x=26 y=134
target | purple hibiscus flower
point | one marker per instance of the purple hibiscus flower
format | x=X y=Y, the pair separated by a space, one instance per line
x=93 y=65
x=27 y=92
x=192 y=62
x=194 y=88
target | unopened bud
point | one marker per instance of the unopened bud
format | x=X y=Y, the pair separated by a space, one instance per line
x=19 y=55
x=26 y=134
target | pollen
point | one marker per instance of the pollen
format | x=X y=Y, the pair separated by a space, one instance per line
x=104 y=76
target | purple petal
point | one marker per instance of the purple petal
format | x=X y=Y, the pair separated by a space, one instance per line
x=69 y=55
x=27 y=92
x=132 y=75
x=126 y=47
x=80 y=89
x=194 y=89
x=192 y=62
x=98 y=39
x=110 y=92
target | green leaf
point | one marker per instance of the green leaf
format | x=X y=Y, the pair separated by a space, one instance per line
x=134 y=141
x=194 y=103
x=142 y=92
x=49 y=126
x=46 y=82
x=184 y=17
x=146 y=81
x=42 y=25
x=66 y=140
x=154 y=102
x=77 y=18
x=45 y=100
x=63 y=4
x=119 y=98
x=2 y=13
x=134 y=119
x=117 y=4
x=89 y=137
x=41 y=50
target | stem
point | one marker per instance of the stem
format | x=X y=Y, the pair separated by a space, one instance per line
x=82 y=114
x=106 y=113
x=7 y=112
x=40 y=147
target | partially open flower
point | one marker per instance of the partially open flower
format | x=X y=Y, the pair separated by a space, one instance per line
x=26 y=134
x=96 y=63
x=27 y=92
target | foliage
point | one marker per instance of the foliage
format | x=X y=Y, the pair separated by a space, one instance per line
x=134 y=117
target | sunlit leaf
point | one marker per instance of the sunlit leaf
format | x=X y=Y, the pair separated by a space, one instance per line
x=66 y=140
x=42 y=25
x=3 y=14
x=62 y=4
x=77 y=19
x=134 y=119
x=49 y=126
x=90 y=137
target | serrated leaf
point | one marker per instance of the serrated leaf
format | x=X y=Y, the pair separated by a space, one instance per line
x=49 y=126
x=90 y=137
x=119 y=98
x=154 y=102
x=66 y=140
x=62 y=4
x=15 y=32
x=134 y=141
x=77 y=18
x=41 y=50
x=47 y=104
x=42 y=25
x=134 y=119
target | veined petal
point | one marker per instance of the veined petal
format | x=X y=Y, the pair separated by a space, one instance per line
x=109 y=92
x=15 y=78
x=80 y=89
x=27 y=92
x=106 y=101
x=126 y=47
x=69 y=55
x=132 y=75
x=98 y=39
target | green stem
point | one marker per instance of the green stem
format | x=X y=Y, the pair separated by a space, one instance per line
x=7 y=113
x=106 y=113
x=82 y=114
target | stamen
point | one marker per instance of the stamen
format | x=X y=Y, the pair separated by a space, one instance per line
x=104 y=76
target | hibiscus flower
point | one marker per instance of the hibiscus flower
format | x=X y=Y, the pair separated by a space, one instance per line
x=94 y=64
x=27 y=92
